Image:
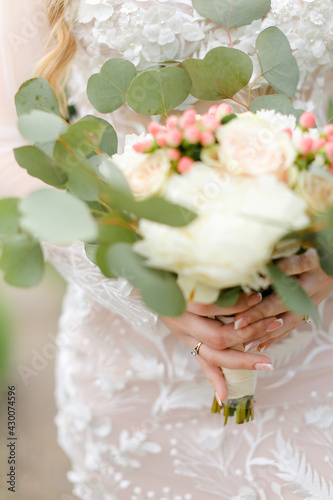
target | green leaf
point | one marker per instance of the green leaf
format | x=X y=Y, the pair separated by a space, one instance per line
x=22 y=261
x=159 y=289
x=330 y=111
x=220 y=75
x=84 y=136
x=292 y=294
x=115 y=178
x=278 y=102
x=109 y=140
x=158 y=92
x=160 y=210
x=57 y=217
x=277 y=62
x=91 y=252
x=40 y=165
x=232 y=13
x=9 y=217
x=109 y=234
x=107 y=90
x=229 y=297
x=323 y=241
x=36 y=94
x=41 y=126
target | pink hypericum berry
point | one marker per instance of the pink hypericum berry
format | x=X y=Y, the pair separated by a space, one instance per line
x=305 y=144
x=154 y=128
x=318 y=144
x=173 y=154
x=188 y=118
x=172 y=121
x=144 y=146
x=210 y=122
x=160 y=139
x=329 y=151
x=288 y=131
x=223 y=110
x=192 y=134
x=207 y=138
x=328 y=130
x=212 y=110
x=307 y=120
x=174 y=138
x=184 y=164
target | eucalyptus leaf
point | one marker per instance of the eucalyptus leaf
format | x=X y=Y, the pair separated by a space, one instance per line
x=229 y=297
x=330 y=111
x=41 y=126
x=109 y=140
x=278 y=65
x=323 y=241
x=162 y=211
x=113 y=234
x=159 y=289
x=278 y=102
x=22 y=261
x=57 y=217
x=158 y=92
x=84 y=136
x=36 y=94
x=107 y=90
x=220 y=75
x=9 y=217
x=292 y=294
x=232 y=13
x=115 y=178
x=40 y=165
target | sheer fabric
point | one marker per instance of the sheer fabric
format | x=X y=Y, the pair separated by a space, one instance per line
x=134 y=407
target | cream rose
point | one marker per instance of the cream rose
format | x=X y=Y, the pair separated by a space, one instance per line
x=146 y=173
x=252 y=146
x=233 y=236
x=316 y=188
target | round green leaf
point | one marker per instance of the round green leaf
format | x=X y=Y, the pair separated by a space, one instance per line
x=107 y=90
x=109 y=234
x=40 y=165
x=277 y=62
x=159 y=289
x=9 y=217
x=229 y=297
x=232 y=13
x=41 y=126
x=109 y=140
x=22 y=261
x=158 y=92
x=221 y=74
x=278 y=102
x=84 y=136
x=36 y=94
x=57 y=217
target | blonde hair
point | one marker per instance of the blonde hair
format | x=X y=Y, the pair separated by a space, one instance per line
x=60 y=49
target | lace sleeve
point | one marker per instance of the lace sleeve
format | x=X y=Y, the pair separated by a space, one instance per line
x=117 y=295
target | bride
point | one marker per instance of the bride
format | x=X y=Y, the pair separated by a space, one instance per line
x=133 y=404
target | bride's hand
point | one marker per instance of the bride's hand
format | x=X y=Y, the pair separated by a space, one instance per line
x=307 y=271
x=195 y=326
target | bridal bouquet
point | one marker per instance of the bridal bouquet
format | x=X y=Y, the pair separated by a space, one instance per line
x=201 y=206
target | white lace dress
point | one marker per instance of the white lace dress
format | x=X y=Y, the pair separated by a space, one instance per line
x=133 y=405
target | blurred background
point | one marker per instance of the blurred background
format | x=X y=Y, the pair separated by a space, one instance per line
x=28 y=328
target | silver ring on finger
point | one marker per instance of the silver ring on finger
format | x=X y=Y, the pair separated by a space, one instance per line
x=307 y=319
x=195 y=350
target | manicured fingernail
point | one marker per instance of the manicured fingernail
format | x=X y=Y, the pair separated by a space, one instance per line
x=274 y=325
x=218 y=399
x=253 y=300
x=242 y=322
x=265 y=367
x=251 y=346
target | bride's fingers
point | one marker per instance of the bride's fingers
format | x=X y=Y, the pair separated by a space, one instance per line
x=214 y=333
x=244 y=302
x=298 y=264
x=215 y=376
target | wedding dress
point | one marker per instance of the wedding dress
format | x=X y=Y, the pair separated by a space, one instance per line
x=133 y=405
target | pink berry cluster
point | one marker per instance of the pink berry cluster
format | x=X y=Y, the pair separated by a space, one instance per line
x=184 y=136
x=309 y=146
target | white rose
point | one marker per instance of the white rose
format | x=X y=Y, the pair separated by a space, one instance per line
x=146 y=173
x=232 y=238
x=315 y=186
x=252 y=146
